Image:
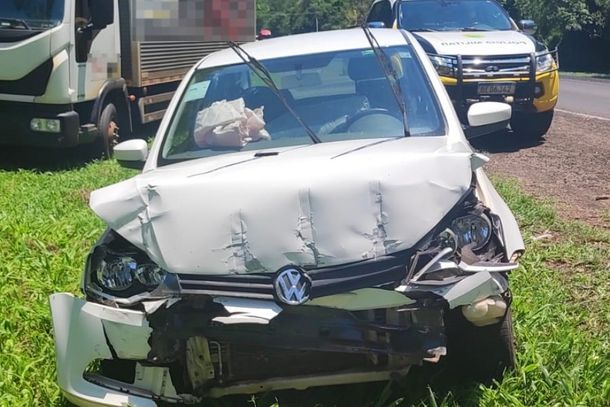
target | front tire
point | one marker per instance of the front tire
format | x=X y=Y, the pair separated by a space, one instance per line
x=482 y=354
x=108 y=131
x=532 y=125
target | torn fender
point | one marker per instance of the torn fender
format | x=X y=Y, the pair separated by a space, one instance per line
x=314 y=206
x=466 y=291
x=513 y=240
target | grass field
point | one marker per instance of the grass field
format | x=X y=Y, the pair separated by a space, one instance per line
x=561 y=306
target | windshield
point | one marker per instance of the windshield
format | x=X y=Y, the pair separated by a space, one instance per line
x=340 y=95
x=453 y=15
x=37 y=14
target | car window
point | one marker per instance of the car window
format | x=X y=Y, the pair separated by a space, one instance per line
x=339 y=95
x=37 y=14
x=453 y=15
x=381 y=11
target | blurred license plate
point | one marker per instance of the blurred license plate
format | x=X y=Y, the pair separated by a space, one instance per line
x=497 y=88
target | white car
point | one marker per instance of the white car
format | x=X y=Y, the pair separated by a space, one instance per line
x=310 y=214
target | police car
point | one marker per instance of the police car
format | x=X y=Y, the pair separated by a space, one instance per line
x=481 y=54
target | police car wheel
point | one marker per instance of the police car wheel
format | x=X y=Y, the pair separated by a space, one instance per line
x=531 y=125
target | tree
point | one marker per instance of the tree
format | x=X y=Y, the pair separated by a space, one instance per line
x=557 y=17
x=297 y=16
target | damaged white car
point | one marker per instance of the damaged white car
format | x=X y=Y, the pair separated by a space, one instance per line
x=309 y=214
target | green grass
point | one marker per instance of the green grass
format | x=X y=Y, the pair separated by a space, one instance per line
x=561 y=306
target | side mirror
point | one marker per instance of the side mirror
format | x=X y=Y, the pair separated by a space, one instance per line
x=528 y=26
x=102 y=13
x=488 y=117
x=375 y=24
x=132 y=153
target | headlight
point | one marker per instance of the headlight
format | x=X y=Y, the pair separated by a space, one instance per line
x=472 y=230
x=444 y=65
x=46 y=125
x=544 y=62
x=150 y=275
x=118 y=268
x=116 y=273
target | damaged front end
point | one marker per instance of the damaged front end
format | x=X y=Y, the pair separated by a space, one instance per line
x=145 y=335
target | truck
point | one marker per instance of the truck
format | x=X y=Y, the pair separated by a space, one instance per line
x=481 y=54
x=78 y=72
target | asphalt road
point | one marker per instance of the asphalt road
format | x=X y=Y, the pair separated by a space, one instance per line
x=591 y=97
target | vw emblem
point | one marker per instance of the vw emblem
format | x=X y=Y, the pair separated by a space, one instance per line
x=292 y=286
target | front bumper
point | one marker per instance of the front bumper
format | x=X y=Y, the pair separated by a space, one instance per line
x=525 y=99
x=206 y=347
x=83 y=332
x=535 y=91
x=16 y=118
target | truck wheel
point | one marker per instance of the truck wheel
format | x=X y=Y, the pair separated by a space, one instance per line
x=476 y=353
x=532 y=125
x=108 y=131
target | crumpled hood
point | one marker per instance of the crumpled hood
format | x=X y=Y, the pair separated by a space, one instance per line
x=478 y=43
x=313 y=206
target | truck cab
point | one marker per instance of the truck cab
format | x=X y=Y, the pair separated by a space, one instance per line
x=481 y=54
x=91 y=71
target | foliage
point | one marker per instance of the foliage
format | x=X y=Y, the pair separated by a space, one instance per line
x=297 y=16
x=554 y=17
x=561 y=302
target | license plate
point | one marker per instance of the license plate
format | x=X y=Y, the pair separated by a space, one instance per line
x=497 y=88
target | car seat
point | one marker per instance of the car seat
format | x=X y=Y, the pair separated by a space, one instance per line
x=258 y=96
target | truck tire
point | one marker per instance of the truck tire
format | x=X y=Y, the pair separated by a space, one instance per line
x=482 y=354
x=532 y=125
x=108 y=131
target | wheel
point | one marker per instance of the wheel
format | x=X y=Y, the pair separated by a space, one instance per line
x=532 y=125
x=108 y=131
x=482 y=354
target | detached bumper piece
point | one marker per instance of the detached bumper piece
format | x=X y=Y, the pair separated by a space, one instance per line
x=198 y=348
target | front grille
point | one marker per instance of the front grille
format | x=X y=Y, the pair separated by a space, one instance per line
x=325 y=281
x=472 y=68
x=513 y=66
x=247 y=362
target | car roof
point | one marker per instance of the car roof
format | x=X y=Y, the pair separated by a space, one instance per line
x=304 y=44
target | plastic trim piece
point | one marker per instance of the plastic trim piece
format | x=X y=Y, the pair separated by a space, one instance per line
x=80 y=338
x=33 y=84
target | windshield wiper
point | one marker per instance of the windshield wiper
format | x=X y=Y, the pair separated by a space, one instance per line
x=264 y=74
x=14 y=23
x=391 y=75
x=426 y=30
x=474 y=29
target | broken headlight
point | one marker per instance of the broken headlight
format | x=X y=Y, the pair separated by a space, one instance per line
x=472 y=230
x=471 y=235
x=117 y=268
x=117 y=272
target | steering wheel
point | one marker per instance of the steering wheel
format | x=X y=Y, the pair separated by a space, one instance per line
x=362 y=114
